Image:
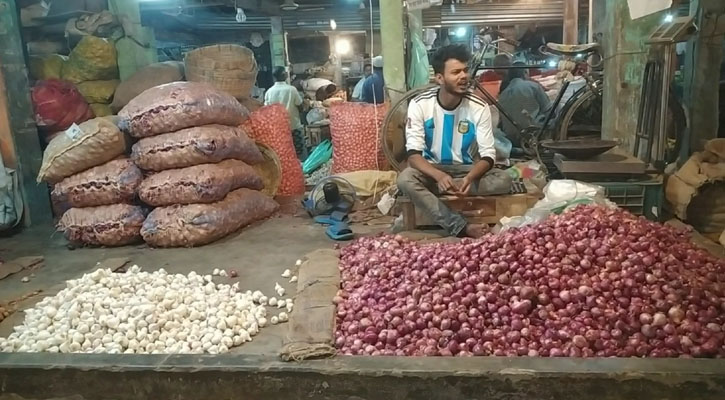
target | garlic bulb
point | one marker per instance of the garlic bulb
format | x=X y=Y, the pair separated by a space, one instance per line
x=293 y=279
x=286 y=273
x=140 y=312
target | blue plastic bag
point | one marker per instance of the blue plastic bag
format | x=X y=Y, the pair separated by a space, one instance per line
x=320 y=155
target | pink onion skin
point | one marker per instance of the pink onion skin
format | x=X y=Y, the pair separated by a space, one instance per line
x=592 y=282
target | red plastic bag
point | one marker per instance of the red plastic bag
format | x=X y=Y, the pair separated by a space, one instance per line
x=270 y=126
x=58 y=105
x=355 y=140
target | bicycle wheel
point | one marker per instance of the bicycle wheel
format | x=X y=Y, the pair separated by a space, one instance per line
x=581 y=115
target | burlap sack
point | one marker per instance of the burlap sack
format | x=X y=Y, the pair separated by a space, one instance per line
x=146 y=78
x=114 y=225
x=113 y=182
x=311 y=328
x=179 y=105
x=99 y=141
x=193 y=146
x=205 y=183
x=198 y=224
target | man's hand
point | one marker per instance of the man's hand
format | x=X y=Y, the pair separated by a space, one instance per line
x=446 y=184
x=465 y=185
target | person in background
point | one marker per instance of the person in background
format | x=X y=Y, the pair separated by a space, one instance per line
x=373 y=90
x=524 y=100
x=444 y=125
x=358 y=90
x=287 y=95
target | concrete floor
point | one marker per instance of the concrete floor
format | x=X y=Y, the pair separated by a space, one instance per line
x=259 y=254
x=253 y=371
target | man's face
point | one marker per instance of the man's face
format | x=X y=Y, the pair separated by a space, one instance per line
x=454 y=78
x=368 y=70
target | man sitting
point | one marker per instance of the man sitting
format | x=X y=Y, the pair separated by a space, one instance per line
x=443 y=124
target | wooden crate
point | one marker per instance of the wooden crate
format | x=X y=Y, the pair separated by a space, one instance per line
x=476 y=209
x=314 y=135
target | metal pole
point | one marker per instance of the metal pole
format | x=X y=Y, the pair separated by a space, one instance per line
x=590 y=29
x=662 y=134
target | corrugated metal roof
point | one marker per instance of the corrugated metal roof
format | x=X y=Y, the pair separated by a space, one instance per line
x=507 y=12
x=347 y=19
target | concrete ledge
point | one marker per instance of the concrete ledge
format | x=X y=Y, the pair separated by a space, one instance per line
x=184 y=377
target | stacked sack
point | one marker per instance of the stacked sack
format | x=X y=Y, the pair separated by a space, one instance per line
x=87 y=175
x=93 y=67
x=198 y=160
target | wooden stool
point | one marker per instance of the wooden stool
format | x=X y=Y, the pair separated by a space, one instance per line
x=475 y=209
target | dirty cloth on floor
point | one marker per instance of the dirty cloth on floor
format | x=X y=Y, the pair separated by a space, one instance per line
x=312 y=324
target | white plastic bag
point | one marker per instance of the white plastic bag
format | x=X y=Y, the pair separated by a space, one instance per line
x=559 y=195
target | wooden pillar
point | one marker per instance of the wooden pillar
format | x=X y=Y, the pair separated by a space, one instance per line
x=18 y=135
x=702 y=69
x=393 y=38
x=571 y=21
x=625 y=55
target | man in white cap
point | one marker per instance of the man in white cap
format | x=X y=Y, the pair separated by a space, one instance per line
x=374 y=86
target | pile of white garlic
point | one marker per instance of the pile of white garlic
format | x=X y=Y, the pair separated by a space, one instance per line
x=143 y=313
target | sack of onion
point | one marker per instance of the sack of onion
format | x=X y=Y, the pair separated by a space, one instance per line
x=592 y=282
x=179 y=105
x=204 y=183
x=112 y=225
x=354 y=129
x=193 y=146
x=270 y=126
x=113 y=182
x=198 y=224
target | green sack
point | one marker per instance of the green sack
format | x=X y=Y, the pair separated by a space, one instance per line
x=320 y=155
x=93 y=59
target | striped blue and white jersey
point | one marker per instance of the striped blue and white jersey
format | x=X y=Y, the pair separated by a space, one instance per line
x=445 y=136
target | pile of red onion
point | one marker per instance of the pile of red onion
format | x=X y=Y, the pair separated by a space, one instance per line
x=593 y=282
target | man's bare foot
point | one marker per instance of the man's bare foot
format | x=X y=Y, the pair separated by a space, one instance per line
x=475 y=230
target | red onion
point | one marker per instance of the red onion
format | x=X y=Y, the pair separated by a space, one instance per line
x=590 y=282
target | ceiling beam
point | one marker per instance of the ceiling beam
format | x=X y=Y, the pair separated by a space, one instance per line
x=269 y=7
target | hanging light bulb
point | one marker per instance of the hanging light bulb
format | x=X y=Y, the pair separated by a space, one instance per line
x=241 y=16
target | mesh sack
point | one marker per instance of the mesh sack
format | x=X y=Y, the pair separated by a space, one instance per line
x=270 y=126
x=179 y=105
x=96 y=142
x=205 y=183
x=113 y=225
x=355 y=142
x=110 y=183
x=198 y=224
x=193 y=146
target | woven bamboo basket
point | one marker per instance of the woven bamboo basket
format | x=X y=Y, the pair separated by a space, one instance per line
x=228 y=67
x=270 y=170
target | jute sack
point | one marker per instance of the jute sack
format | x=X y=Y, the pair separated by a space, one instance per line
x=146 y=78
x=94 y=142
